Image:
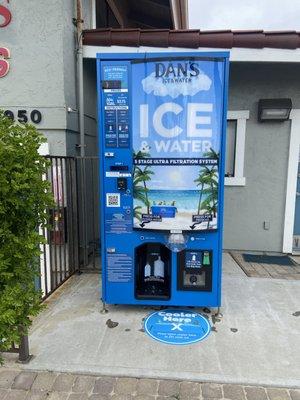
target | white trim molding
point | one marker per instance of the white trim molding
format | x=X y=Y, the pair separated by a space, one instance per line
x=236 y=54
x=234 y=181
x=291 y=185
x=241 y=118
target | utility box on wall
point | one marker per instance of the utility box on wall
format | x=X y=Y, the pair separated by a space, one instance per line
x=162 y=151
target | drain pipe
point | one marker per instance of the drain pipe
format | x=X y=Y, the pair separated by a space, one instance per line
x=79 y=23
x=80 y=106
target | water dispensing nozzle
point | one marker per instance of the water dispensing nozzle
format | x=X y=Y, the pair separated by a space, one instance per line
x=176 y=241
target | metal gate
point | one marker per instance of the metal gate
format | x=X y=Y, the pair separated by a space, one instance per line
x=72 y=238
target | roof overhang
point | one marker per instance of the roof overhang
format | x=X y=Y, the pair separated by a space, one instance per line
x=261 y=46
x=236 y=54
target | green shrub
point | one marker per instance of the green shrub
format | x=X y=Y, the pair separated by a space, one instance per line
x=24 y=199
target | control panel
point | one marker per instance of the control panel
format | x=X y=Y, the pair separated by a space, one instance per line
x=195 y=270
x=117 y=162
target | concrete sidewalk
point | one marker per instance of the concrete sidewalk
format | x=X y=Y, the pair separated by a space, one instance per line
x=257 y=341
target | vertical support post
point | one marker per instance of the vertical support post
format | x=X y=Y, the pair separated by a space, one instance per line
x=83 y=208
x=24 y=356
x=75 y=210
x=80 y=99
x=93 y=160
x=79 y=22
x=80 y=104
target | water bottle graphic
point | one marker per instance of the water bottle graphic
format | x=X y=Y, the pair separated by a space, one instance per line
x=159 y=268
x=147 y=270
x=206 y=258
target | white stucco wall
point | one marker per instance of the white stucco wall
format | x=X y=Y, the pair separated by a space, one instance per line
x=41 y=39
x=35 y=79
x=266 y=158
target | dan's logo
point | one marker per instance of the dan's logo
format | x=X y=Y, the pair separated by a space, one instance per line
x=178 y=70
x=175 y=79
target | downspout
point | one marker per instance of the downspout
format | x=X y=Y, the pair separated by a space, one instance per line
x=80 y=106
x=79 y=24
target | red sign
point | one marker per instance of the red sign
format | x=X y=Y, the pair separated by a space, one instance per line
x=4 y=52
x=4 y=65
x=6 y=14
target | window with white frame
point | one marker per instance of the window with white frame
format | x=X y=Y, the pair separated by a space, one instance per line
x=230 y=148
x=235 y=148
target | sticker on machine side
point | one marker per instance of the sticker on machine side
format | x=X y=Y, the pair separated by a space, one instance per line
x=113 y=200
x=117 y=174
x=118 y=222
x=119 y=267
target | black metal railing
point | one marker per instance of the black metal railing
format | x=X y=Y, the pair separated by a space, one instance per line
x=72 y=239
x=88 y=212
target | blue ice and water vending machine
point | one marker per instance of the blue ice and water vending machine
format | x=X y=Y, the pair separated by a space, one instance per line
x=162 y=124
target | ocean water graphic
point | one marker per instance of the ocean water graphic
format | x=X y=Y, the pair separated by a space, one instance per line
x=185 y=200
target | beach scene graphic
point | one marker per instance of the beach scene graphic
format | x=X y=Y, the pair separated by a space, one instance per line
x=176 y=142
x=172 y=197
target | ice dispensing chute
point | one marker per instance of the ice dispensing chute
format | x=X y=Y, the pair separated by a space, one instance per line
x=176 y=241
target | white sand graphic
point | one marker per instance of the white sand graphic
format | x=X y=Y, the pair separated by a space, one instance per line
x=182 y=221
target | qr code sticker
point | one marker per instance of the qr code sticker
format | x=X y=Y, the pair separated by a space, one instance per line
x=112 y=199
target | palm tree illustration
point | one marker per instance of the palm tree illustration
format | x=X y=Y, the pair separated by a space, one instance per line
x=212 y=154
x=211 y=201
x=141 y=154
x=212 y=190
x=210 y=209
x=202 y=180
x=207 y=180
x=144 y=175
x=141 y=176
x=138 y=213
x=138 y=194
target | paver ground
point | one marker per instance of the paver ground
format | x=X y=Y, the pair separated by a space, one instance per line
x=29 y=385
